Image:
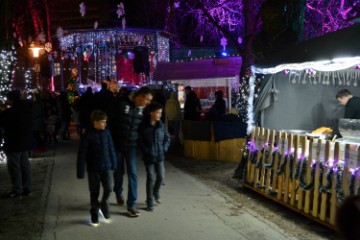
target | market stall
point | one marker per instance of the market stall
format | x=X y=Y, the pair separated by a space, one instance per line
x=207 y=140
x=286 y=161
x=205 y=76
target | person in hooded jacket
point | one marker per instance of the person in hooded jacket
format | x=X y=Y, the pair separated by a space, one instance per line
x=154 y=141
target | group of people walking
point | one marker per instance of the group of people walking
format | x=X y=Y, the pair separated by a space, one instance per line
x=132 y=124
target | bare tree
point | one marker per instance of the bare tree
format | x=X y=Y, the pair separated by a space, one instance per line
x=207 y=21
x=328 y=16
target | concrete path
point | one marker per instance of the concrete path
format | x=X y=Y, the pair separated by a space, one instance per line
x=190 y=210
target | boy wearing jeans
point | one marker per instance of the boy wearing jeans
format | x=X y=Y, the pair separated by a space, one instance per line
x=154 y=141
x=97 y=153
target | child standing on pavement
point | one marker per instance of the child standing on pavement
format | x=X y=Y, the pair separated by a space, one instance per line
x=97 y=153
x=154 y=141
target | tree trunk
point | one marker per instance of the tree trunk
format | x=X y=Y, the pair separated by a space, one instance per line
x=251 y=23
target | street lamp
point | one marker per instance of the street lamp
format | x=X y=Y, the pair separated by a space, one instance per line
x=35 y=50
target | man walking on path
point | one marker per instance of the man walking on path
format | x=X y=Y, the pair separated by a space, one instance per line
x=17 y=123
x=125 y=116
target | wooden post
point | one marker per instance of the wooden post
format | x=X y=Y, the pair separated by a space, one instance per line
x=304 y=143
x=276 y=162
x=287 y=169
x=333 y=200
x=249 y=164
x=346 y=173
x=315 y=210
x=259 y=144
x=283 y=140
x=294 y=164
x=323 y=205
x=308 y=178
x=271 y=150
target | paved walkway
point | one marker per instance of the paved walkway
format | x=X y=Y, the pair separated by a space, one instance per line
x=190 y=209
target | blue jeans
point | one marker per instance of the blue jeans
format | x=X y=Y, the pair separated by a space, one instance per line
x=20 y=171
x=95 y=178
x=129 y=158
x=154 y=177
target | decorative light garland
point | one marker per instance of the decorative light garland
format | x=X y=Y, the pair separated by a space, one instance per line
x=105 y=44
x=108 y=40
x=325 y=66
x=250 y=114
x=2 y=153
x=27 y=77
x=7 y=60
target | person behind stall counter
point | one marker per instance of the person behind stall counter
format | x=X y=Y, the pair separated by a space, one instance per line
x=351 y=103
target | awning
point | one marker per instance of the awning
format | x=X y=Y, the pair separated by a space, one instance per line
x=199 y=69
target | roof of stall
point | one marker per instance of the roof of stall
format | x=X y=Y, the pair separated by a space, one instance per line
x=199 y=69
x=339 y=44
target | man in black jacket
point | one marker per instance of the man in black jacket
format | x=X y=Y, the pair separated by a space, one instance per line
x=351 y=103
x=125 y=116
x=17 y=124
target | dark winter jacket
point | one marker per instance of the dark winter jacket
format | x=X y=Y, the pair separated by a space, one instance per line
x=86 y=106
x=103 y=99
x=17 y=124
x=96 y=151
x=352 y=108
x=192 y=107
x=154 y=141
x=124 y=120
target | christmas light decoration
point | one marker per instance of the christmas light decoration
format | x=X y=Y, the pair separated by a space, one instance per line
x=2 y=153
x=82 y=9
x=323 y=16
x=27 y=77
x=105 y=45
x=251 y=104
x=120 y=10
x=227 y=14
x=7 y=61
x=327 y=65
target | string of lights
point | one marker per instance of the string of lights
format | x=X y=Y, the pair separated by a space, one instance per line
x=7 y=61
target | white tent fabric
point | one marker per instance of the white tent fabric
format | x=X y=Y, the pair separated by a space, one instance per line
x=307 y=77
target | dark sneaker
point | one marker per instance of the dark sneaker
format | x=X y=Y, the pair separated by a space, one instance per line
x=133 y=212
x=158 y=200
x=150 y=209
x=14 y=195
x=105 y=212
x=157 y=197
x=94 y=220
x=120 y=200
x=27 y=193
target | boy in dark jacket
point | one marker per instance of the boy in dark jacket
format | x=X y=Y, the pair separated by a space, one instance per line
x=154 y=142
x=97 y=152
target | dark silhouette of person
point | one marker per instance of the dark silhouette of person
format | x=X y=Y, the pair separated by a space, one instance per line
x=351 y=103
x=17 y=124
x=103 y=98
x=64 y=112
x=218 y=109
x=348 y=218
x=192 y=107
x=86 y=107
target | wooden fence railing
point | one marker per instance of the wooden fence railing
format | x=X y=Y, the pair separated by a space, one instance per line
x=308 y=175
